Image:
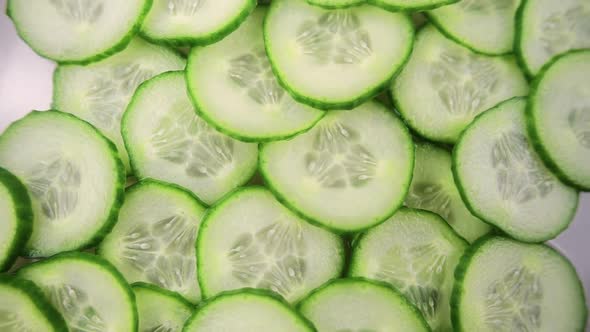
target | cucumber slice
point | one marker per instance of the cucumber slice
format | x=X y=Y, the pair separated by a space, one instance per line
x=433 y=188
x=100 y=92
x=24 y=308
x=77 y=31
x=559 y=117
x=361 y=305
x=336 y=4
x=186 y=22
x=154 y=238
x=16 y=217
x=416 y=252
x=74 y=177
x=247 y=310
x=250 y=240
x=335 y=59
x=160 y=310
x=503 y=285
x=546 y=28
x=89 y=292
x=503 y=181
x=413 y=5
x=167 y=141
x=485 y=26
x=254 y=106
x=350 y=172
x=455 y=85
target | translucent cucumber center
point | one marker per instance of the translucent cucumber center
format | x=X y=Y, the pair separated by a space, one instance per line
x=11 y=322
x=485 y=6
x=431 y=197
x=184 y=7
x=160 y=328
x=73 y=304
x=79 y=11
x=356 y=330
x=566 y=29
x=579 y=121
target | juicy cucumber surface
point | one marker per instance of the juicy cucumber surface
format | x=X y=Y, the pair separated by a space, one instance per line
x=336 y=4
x=413 y=5
x=160 y=310
x=505 y=285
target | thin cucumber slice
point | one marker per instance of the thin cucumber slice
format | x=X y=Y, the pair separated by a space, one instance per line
x=455 y=85
x=350 y=172
x=433 y=188
x=16 y=218
x=546 y=28
x=361 y=305
x=190 y=22
x=559 y=117
x=23 y=307
x=100 y=92
x=416 y=252
x=336 y=4
x=413 y=5
x=503 y=181
x=154 y=238
x=504 y=285
x=247 y=310
x=74 y=177
x=167 y=141
x=250 y=240
x=335 y=59
x=77 y=31
x=254 y=107
x=89 y=292
x=160 y=310
x=485 y=26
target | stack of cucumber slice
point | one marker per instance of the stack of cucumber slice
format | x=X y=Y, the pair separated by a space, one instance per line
x=298 y=166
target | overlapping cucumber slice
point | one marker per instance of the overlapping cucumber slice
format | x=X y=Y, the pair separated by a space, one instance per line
x=159 y=310
x=335 y=4
x=413 y=5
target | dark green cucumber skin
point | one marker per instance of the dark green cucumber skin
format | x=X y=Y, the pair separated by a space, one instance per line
x=24 y=215
x=163 y=292
x=395 y=8
x=118 y=47
x=518 y=52
x=463 y=266
x=36 y=295
x=350 y=3
x=548 y=160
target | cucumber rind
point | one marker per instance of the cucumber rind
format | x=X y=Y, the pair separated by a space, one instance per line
x=433 y=4
x=24 y=216
x=336 y=4
x=163 y=292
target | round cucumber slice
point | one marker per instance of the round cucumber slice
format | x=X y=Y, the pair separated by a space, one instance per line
x=23 y=307
x=335 y=59
x=77 y=31
x=336 y=4
x=503 y=181
x=100 y=92
x=505 y=285
x=190 y=22
x=74 y=177
x=455 y=85
x=160 y=310
x=254 y=106
x=361 y=305
x=413 y=5
x=250 y=240
x=16 y=215
x=350 y=172
x=247 y=310
x=416 y=252
x=546 y=28
x=559 y=117
x=89 y=292
x=167 y=141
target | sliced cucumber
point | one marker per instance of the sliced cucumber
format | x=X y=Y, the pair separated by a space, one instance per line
x=503 y=285
x=74 y=177
x=350 y=172
x=361 y=305
x=433 y=188
x=546 y=28
x=250 y=240
x=416 y=252
x=16 y=218
x=186 y=22
x=90 y=293
x=247 y=310
x=559 y=117
x=335 y=59
x=77 y=31
x=154 y=238
x=23 y=308
x=413 y=5
x=503 y=181
x=454 y=85
x=100 y=92
x=160 y=310
x=167 y=141
x=254 y=107
x=485 y=26
x=336 y=4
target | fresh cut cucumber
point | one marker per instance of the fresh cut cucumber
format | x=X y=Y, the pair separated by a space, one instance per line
x=411 y=5
x=336 y=4
x=160 y=310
